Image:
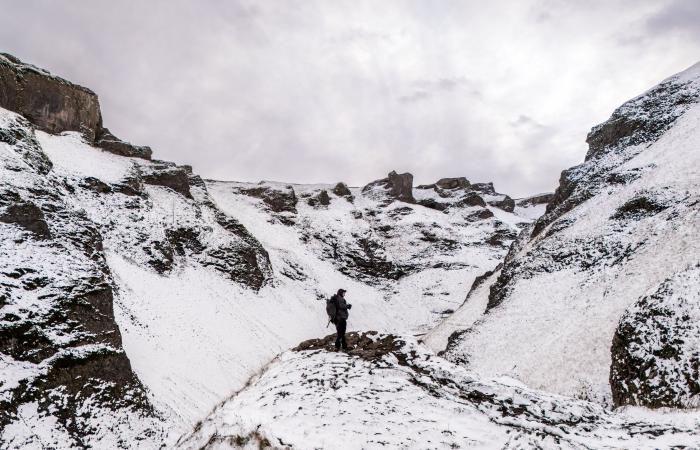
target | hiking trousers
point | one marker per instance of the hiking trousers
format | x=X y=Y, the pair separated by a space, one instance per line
x=340 y=326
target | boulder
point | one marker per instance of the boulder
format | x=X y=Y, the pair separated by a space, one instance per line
x=397 y=186
x=28 y=216
x=341 y=190
x=655 y=356
x=453 y=183
x=321 y=198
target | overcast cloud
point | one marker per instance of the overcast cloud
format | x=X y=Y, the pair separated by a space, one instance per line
x=306 y=91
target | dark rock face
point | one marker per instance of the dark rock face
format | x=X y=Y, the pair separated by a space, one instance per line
x=277 y=200
x=484 y=188
x=168 y=175
x=28 y=216
x=506 y=204
x=453 y=183
x=56 y=105
x=341 y=190
x=655 y=352
x=49 y=102
x=321 y=198
x=639 y=206
x=109 y=142
x=541 y=199
x=397 y=186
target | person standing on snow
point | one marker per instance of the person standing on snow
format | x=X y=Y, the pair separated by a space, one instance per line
x=337 y=309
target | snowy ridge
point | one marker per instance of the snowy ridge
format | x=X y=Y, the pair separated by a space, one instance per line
x=390 y=392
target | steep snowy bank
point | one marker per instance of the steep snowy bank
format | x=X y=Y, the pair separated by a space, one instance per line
x=620 y=225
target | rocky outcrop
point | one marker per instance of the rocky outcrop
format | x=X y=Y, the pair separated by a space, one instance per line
x=167 y=175
x=49 y=102
x=656 y=348
x=453 y=183
x=341 y=190
x=395 y=186
x=56 y=105
x=540 y=199
x=27 y=216
x=506 y=203
x=107 y=141
x=320 y=199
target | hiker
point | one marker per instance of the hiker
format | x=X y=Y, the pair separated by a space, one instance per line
x=337 y=309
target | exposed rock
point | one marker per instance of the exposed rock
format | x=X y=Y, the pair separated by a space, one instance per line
x=484 y=188
x=506 y=204
x=49 y=102
x=481 y=214
x=366 y=345
x=109 y=142
x=28 y=216
x=55 y=105
x=540 y=199
x=656 y=348
x=396 y=186
x=277 y=200
x=641 y=120
x=321 y=198
x=61 y=336
x=96 y=185
x=470 y=199
x=453 y=183
x=639 y=206
x=170 y=176
x=433 y=204
x=341 y=190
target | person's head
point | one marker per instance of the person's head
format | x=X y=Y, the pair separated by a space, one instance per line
x=341 y=292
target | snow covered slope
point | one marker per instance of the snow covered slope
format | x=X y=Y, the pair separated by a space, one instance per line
x=392 y=393
x=65 y=380
x=618 y=241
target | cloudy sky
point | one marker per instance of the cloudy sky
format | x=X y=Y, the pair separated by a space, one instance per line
x=322 y=91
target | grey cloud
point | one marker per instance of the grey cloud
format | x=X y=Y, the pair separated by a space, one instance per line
x=424 y=89
x=678 y=16
x=318 y=91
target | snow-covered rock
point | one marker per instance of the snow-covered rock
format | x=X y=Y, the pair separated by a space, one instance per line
x=389 y=392
x=65 y=380
x=620 y=225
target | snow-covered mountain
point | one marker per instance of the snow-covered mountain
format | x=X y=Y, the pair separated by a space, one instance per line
x=136 y=296
x=600 y=297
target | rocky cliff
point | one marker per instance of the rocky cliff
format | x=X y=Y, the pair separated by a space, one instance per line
x=55 y=105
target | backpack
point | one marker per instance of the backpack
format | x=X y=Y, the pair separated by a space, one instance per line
x=331 y=308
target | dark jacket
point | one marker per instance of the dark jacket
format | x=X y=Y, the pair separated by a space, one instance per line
x=341 y=307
